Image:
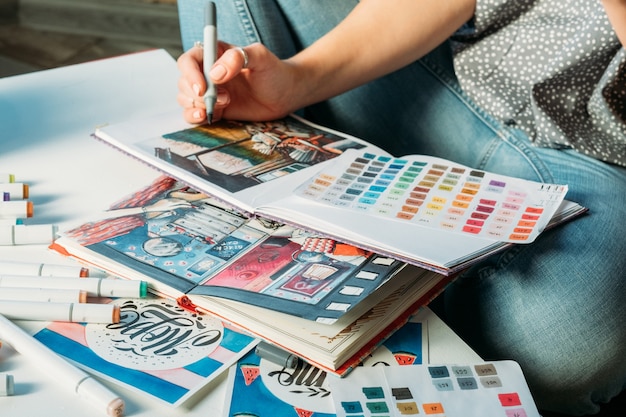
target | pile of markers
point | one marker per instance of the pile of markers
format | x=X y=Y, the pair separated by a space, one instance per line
x=46 y=292
x=14 y=208
x=32 y=291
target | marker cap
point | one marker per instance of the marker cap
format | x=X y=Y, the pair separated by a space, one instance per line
x=39 y=269
x=15 y=190
x=64 y=312
x=95 y=313
x=7 y=385
x=96 y=393
x=4 y=177
x=16 y=209
x=53 y=295
x=122 y=288
x=21 y=234
x=95 y=287
x=276 y=355
x=210 y=16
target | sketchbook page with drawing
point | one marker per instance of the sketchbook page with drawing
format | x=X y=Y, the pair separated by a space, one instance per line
x=186 y=243
x=258 y=387
x=339 y=349
x=246 y=165
x=321 y=180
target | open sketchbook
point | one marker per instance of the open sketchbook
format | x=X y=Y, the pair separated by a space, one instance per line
x=425 y=211
x=320 y=299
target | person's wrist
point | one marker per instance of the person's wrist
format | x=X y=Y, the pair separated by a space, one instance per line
x=305 y=87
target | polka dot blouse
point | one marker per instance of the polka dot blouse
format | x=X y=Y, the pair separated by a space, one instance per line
x=553 y=68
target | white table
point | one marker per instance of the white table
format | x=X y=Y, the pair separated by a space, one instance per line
x=46 y=119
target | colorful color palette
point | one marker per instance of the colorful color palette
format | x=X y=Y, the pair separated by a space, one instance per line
x=438 y=194
x=488 y=389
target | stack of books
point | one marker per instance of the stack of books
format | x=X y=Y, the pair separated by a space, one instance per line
x=308 y=239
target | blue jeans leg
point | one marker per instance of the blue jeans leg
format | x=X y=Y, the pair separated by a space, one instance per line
x=555 y=306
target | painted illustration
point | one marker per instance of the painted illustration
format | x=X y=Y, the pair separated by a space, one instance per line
x=236 y=155
x=261 y=388
x=194 y=244
x=157 y=348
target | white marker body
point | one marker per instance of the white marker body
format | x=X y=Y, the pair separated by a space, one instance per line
x=51 y=295
x=22 y=234
x=95 y=287
x=66 y=312
x=39 y=269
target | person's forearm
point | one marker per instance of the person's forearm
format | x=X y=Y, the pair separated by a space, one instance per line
x=378 y=37
x=616 y=11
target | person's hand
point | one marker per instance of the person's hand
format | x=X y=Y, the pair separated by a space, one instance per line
x=262 y=90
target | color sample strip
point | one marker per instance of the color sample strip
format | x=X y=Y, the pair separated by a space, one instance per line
x=496 y=388
x=440 y=195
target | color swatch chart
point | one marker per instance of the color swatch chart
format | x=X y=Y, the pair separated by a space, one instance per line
x=436 y=193
x=488 y=389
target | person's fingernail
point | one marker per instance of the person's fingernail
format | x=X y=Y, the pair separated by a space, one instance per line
x=196 y=89
x=222 y=98
x=218 y=72
x=197 y=114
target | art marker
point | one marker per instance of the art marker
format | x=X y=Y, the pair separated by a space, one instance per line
x=21 y=234
x=15 y=209
x=66 y=312
x=209 y=57
x=16 y=190
x=95 y=287
x=61 y=371
x=7 y=385
x=4 y=177
x=52 y=295
x=42 y=269
x=6 y=196
x=276 y=355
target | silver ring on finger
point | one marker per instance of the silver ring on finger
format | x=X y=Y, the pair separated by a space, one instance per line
x=244 y=55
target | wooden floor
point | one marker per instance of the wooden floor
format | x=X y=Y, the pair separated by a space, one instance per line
x=24 y=50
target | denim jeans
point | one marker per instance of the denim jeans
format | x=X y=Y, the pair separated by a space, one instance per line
x=555 y=306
